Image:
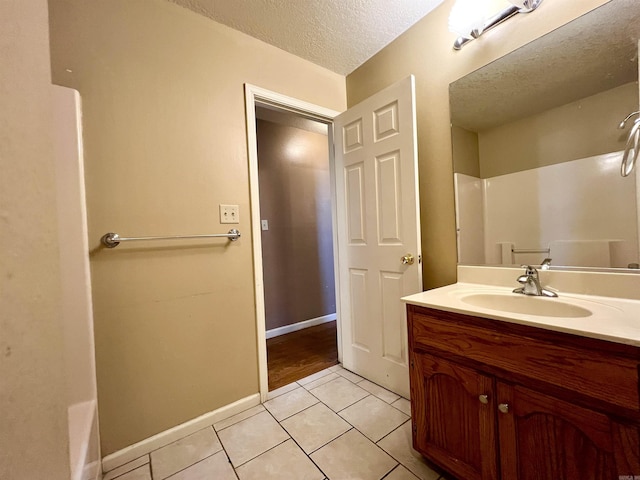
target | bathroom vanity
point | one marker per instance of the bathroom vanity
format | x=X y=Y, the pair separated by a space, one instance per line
x=523 y=389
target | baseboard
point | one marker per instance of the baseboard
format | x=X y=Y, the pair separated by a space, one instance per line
x=294 y=327
x=161 y=439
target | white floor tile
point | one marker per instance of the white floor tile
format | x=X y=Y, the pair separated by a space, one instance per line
x=127 y=467
x=290 y=403
x=353 y=456
x=335 y=368
x=339 y=393
x=284 y=462
x=251 y=437
x=214 y=467
x=140 y=473
x=403 y=405
x=315 y=427
x=185 y=452
x=313 y=377
x=321 y=381
x=373 y=417
x=398 y=444
x=378 y=391
x=352 y=377
x=227 y=422
x=279 y=391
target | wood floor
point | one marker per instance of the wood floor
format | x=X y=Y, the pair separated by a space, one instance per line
x=299 y=354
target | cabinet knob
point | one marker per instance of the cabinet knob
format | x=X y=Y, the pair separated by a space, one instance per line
x=484 y=399
x=503 y=407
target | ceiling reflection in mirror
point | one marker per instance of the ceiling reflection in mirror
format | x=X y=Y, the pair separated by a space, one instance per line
x=537 y=148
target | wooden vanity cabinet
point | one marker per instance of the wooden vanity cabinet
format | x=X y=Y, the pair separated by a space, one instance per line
x=494 y=400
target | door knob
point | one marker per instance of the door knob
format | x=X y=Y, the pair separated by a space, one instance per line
x=484 y=399
x=407 y=259
x=503 y=407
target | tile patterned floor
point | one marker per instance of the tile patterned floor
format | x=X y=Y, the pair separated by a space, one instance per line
x=331 y=425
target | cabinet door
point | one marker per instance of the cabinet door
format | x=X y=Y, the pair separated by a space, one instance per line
x=543 y=438
x=453 y=410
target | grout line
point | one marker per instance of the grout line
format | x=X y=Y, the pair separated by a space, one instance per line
x=304 y=409
x=352 y=404
x=389 y=472
x=399 y=426
x=334 y=439
x=280 y=394
x=388 y=453
x=269 y=449
x=372 y=441
x=182 y=438
x=262 y=453
x=250 y=416
x=151 y=463
x=329 y=441
x=129 y=471
x=185 y=468
x=308 y=455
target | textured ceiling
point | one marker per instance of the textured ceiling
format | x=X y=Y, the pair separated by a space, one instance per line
x=339 y=35
x=591 y=54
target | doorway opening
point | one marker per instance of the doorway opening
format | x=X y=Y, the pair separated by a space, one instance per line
x=297 y=245
x=293 y=218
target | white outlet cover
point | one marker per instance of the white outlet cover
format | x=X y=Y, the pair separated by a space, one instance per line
x=265 y=224
x=229 y=213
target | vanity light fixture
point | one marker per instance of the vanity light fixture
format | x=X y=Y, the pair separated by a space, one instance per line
x=467 y=20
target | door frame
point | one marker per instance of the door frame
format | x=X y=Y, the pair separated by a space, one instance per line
x=257 y=96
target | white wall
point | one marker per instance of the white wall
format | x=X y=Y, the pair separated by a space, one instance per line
x=469 y=193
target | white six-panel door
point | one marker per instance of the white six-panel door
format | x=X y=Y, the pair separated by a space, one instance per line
x=378 y=224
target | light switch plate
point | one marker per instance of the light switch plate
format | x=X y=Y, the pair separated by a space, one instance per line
x=265 y=224
x=229 y=214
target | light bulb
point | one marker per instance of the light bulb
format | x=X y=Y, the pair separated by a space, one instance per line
x=467 y=16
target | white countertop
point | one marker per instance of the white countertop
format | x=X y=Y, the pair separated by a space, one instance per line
x=612 y=319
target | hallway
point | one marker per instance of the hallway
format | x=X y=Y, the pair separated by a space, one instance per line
x=299 y=354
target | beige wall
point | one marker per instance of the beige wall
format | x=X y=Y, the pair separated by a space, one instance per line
x=33 y=417
x=165 y=144
x=425 y=51
x=295 y=198
x=579 y=129
x=465 y=151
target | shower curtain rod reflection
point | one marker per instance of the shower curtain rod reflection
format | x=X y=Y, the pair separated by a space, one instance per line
x=112 y=240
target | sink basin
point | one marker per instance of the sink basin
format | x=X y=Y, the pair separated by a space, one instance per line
x=527 y=305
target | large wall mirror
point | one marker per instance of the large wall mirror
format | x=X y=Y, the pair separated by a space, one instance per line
x=537 y=148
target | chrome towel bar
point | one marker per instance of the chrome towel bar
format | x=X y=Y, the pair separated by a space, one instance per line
x=521 y=250
x=112 y=240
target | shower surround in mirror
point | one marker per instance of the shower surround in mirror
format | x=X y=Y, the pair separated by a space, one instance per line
x=537 y=150
x=551 y=207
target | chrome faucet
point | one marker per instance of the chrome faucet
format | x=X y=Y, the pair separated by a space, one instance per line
x=546 y=264
x=531 y=284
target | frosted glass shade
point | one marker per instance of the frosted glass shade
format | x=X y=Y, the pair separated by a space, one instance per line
x=466 y=16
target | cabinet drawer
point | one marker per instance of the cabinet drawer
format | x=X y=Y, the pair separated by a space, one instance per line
x=594 y=373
